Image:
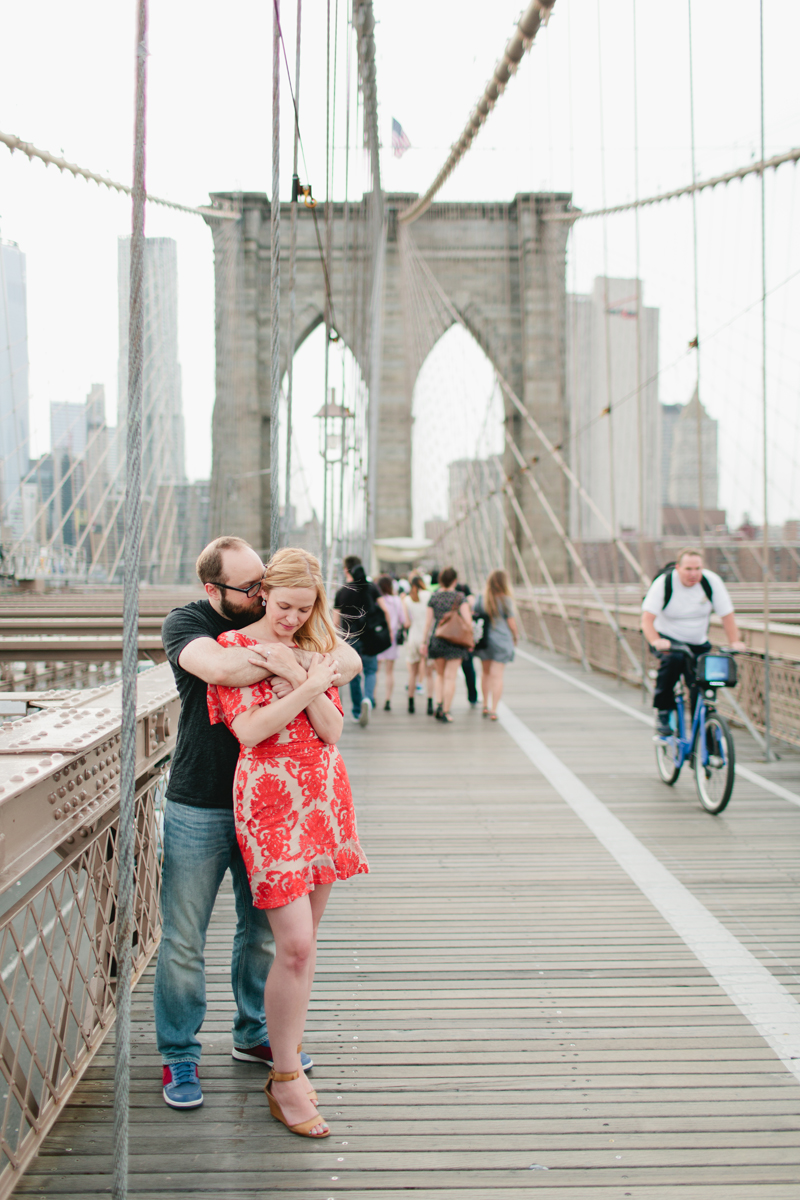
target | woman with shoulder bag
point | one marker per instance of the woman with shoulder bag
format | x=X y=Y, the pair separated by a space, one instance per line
x=396 y=615
x=448 y=637
x=496 y=607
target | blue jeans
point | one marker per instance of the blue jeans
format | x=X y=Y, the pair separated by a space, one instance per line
x=370 y=664
x=199 y=847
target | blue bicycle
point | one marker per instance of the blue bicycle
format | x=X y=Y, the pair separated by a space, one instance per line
x=708 y=745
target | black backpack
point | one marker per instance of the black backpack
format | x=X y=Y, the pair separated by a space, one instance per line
x=376 y=635
x=667 y=570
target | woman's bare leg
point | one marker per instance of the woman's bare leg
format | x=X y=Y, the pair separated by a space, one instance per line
x=319 y=899
x=438 y=679
x=413 y=668
x=497 y=670
x=430 y=680
x=389 y=665
x=451 y=669
x=286 y=996
x=486 y=684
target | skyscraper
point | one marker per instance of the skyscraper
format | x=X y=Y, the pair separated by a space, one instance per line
x=683 y=489
x=612 y=391
x=162 y=406
x=14 y=421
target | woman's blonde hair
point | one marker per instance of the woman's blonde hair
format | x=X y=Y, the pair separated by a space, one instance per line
x=291 y=568
x=497 y=588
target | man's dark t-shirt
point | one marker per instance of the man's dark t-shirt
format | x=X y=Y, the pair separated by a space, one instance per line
x=204 y=762
x=351 y=604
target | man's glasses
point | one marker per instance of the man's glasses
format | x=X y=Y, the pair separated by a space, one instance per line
x=250 y=591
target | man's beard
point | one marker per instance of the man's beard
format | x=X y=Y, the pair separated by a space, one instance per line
x=241 y=617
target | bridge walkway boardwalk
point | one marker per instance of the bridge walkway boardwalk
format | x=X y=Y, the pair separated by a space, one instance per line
x=499 y=1009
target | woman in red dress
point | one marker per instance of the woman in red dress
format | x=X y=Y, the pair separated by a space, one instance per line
x=293 y=809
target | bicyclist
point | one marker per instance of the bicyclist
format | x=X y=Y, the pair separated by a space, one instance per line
x=677 y=608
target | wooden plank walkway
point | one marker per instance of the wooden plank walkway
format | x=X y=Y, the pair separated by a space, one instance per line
x=498 y=1009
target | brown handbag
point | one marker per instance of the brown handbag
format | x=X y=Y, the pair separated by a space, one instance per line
x=453 y=628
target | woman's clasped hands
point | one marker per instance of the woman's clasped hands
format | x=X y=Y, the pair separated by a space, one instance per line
x=323 y=674
x=321 y=671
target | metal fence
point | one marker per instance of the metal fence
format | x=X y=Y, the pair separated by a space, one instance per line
x=59 y=800
x=602 y=651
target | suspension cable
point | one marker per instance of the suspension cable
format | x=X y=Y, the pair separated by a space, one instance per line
x=689 y=189
x=27 y=148
x=275 y=291
x=696 y=341
x=292 y=274
x=766 y=564
x=130 y=631
x=536 y=14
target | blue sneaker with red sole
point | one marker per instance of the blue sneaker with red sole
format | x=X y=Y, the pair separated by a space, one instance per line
x=182 y=1085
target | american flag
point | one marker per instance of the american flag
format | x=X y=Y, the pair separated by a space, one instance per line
x=400 y=142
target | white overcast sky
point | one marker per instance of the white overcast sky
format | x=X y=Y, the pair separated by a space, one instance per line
x=67 y=85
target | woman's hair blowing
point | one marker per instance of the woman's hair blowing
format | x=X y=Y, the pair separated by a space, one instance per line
x=292 y=568
x=497 y=589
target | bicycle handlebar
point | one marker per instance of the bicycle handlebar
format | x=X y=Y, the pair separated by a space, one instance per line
x=682 y=648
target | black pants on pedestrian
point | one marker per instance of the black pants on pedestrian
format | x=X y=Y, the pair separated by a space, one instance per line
x=468 y=667
x=670 y=669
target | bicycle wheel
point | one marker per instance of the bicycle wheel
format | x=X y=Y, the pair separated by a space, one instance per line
x=667 y=760
x=715 y=780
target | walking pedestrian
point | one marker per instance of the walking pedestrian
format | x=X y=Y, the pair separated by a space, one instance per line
x=199 y=833
x=446 y=655
x=293 y=808
x=351 y=604
x=467 y=663
x=497 y=609
x=419 y=667
x=396 y=615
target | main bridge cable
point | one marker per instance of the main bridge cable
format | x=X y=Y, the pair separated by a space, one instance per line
x=756 y=168
x=536 y=14
x=15 y=143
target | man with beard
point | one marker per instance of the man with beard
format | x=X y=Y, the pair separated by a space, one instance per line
x=199 y=834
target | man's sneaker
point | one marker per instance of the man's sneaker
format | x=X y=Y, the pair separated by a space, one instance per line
x=182 y=1085
x=263 y=1054
x=363 y=720
x=663 y=727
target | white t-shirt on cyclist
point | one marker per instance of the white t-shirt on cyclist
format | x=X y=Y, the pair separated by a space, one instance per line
x=686 y=618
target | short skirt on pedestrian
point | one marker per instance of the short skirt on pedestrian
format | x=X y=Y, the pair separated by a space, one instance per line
x=439 y=648
x=414 y=651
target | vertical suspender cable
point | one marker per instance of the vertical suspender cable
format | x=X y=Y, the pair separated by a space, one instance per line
x=766 y=554
x=639 y=397
x=324 y=554
x=292 y=282
x=275 y=290
x=345 y=280
x=701 y=517
x=130 y=631
x=610 y=404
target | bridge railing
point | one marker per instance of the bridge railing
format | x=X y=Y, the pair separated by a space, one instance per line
x=59 y=805
x=602 y=652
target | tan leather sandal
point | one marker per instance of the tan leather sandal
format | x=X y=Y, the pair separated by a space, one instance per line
x=305 y=1127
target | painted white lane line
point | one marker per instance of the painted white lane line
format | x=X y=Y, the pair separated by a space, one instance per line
x=746 y=772
x=765 y=1002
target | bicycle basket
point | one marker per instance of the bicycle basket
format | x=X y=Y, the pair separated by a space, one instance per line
x=716 y=670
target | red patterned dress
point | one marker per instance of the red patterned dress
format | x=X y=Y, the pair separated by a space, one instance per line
x=292 y=802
